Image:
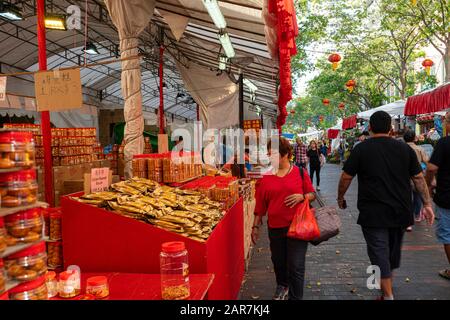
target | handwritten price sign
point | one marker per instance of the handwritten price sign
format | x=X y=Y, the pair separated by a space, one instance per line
x=58 y=90
x=99 y=179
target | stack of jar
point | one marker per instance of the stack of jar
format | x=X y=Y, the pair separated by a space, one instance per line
x=54 y=245
x=73 y=146
x=139 y=165
x=18 y=188
x=155 y=167
x=181 y=166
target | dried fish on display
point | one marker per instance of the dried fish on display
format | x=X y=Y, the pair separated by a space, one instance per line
x=185 y=212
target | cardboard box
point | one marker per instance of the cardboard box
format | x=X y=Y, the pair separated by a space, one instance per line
x=121 y=167
x=101 y=164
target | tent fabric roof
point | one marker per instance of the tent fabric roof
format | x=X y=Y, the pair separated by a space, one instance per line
x=198 y=44
x=394 y=109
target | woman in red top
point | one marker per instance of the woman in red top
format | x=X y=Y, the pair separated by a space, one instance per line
x=279 y=194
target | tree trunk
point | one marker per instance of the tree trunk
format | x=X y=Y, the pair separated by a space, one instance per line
x=447 y=63
x=403 y=84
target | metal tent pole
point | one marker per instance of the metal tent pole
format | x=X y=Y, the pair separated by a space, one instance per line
x=45 y=115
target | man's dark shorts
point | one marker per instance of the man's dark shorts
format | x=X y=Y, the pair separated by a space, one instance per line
x=384 y=246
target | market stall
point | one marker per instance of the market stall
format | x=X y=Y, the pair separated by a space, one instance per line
x=113 y=67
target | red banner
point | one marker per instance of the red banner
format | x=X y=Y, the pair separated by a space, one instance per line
x=349 y=122
x=333 y=133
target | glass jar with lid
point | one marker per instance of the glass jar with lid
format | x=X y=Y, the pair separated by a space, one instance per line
x=18 y=188
x=98 y=287
x=52 y=284
x=31 y=290
x=28 y=264
x=16 y=149
x=2 y=277
x=3 y=244
x=55 y=223
x=69 y=284
x=25 y=226
x=174 y=269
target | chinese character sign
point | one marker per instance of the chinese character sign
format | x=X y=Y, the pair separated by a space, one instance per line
x=58 y=90
x=99 y=179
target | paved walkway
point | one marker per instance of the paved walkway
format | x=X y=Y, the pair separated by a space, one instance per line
x=336 y=269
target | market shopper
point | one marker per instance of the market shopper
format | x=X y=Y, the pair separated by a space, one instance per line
x=324 y=149
x=439 y=166
x=384 y=167
x=300 y=151
x=278 y=196
x=341 y=152
x=314 y=162
x=410 y=138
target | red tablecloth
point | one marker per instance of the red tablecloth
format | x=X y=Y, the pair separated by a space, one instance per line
x=133 y=286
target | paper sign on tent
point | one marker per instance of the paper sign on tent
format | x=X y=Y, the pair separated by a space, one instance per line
x=2 y=88
x=58 y=90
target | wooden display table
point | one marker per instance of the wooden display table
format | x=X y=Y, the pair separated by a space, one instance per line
x=135 y=286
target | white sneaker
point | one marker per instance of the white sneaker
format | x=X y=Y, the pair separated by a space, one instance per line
x=318 y=188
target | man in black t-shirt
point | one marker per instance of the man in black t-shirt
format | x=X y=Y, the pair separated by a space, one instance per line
x=439 y=166
x=384 y=167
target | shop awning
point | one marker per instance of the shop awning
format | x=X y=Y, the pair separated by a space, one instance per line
x=350 y=122
x=394 y=109
x=429 y=102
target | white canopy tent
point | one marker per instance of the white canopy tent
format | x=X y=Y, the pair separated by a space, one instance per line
x=394 y=109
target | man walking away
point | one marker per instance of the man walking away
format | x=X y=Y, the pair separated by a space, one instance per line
x=384 y=167
x=410 y=139
x=300 y=151
x=439 y=166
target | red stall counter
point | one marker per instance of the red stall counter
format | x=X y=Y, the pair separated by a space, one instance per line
x=98 y=240
x=134 y=286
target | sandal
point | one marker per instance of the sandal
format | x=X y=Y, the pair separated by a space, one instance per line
x=445 y=274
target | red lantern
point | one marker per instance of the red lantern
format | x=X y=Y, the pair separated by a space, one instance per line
x=341 y=106
x=320 y=118
x=427 y=64
x=292 y=111
x=326 y=102
x=308 y=122
x=350 y=85
x=334 y=59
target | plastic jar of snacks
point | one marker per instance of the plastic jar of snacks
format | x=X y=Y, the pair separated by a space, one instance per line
x=55 y=224
x=18 y=188
x=2 y=277
x=52 y=284
x=54 y=253
x=16 y=149
x=28 y=264
x=24 y=226
x=3 y=244
x=46 y=218
x=69 y=284
x=98 y=287
x=174 y=269
x=32 y=290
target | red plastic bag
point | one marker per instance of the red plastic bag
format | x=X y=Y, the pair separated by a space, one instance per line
x=304 y=225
